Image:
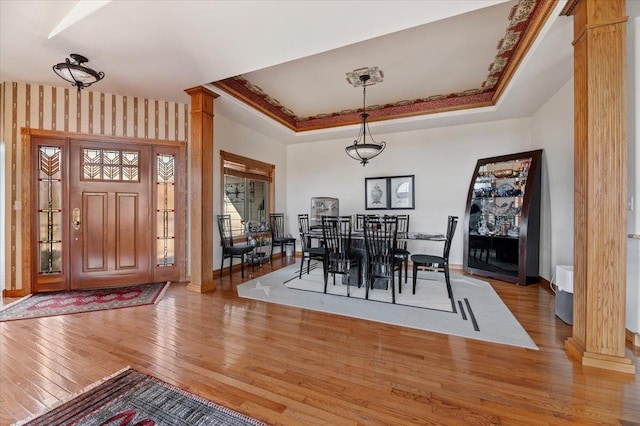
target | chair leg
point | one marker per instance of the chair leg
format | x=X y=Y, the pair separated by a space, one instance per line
x=393 y=290
x=406 y=269
x=400 y=278
x=301 y=265
x=448 y=280
x=415 y=276
x=242 y=265
x=221 y=266
x=366 y=291
x=325 y=272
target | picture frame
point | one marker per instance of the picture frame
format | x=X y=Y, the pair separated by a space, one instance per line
x=376 y=193
x=390 y=193
x=402 y=192
x=323 y=206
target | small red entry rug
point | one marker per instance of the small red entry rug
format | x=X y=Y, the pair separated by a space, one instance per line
x=72 y=302
x=132 y=398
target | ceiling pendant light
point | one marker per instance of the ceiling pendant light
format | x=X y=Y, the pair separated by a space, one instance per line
x=362 y=150
x=76 y=73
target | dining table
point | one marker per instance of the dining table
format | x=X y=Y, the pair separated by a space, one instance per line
x=358 y=247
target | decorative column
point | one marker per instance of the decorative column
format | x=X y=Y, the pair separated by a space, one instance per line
x=600 y=184
x=200 y=194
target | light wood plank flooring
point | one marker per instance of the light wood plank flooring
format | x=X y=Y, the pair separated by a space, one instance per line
x=294 y=367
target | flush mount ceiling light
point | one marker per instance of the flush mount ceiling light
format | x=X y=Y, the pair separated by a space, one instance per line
x=362 y=150
x=79 y=75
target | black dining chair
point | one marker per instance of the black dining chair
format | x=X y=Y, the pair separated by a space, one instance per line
x=380 y=242
x=359 y=225
x=336 y=232
x=278 y=237
x=229 y=249
x=401 y=246
x=421 y=261
x=308 y=251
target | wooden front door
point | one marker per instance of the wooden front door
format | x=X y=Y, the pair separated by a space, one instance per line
x=109 y=214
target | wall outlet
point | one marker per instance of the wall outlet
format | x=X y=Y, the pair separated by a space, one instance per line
x=17 y=205
x=630 y=204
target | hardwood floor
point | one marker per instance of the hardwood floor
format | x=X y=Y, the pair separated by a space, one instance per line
x=289 y=366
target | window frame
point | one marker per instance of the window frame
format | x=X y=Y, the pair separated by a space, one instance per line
x=248 y=168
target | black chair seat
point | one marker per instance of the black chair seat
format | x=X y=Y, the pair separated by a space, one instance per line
x=316 y=251
x=284 y=240
x=239 y=249
x=426 y=259
x=402 y=252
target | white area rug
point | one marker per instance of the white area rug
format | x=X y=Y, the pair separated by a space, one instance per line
x=431 y=290
x=479 y=312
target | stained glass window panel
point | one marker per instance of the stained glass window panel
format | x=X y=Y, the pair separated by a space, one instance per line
x=130 y=158
x=165 y=209
x=111 y=157
x=166 y=252
x=165 y=223
x=49 y=226
x=91 y=160
x=49 y=209
x=49 y=194
x=110 y=165
x=165 y=195
x=49 y=163
x=110 y=172
x=50 y=258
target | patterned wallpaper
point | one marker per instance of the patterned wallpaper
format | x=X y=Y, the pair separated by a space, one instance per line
x=36 y=106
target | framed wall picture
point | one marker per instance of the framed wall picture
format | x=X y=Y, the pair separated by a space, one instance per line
x=323 y=206
x=376 y=193
x=401 y=192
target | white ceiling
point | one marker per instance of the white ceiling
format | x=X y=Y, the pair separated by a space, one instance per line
x=296 y=51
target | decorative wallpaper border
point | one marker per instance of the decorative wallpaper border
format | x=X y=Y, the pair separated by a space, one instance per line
x=525 y=21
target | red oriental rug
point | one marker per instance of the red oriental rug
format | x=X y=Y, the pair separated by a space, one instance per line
x=135 y=399
x=72 y=302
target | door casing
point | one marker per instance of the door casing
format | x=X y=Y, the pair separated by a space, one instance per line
x=32 y=139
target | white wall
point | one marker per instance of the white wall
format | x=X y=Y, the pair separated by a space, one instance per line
x=232 y=137
x=442 y=160
x=552 y=130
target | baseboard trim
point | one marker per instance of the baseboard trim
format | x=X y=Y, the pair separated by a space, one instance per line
x=237 y=267
x=13 y=293
x=633 y=338
x=576 y=350
x=546 y=284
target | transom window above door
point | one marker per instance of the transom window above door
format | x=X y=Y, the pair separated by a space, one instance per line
x=110 y=165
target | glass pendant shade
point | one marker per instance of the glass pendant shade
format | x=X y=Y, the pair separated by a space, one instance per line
x=361 y=150
x=77 y=74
